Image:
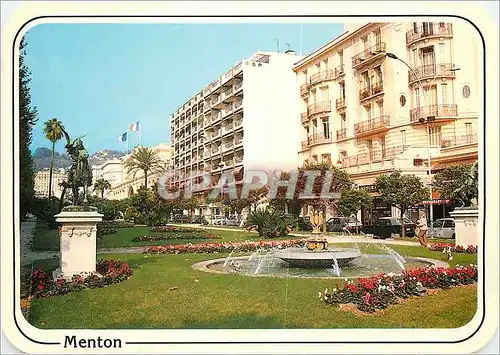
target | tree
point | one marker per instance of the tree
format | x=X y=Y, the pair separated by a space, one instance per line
x=144 y=159
x=402 y=191
x=53 y=131
x=458 y=183
x=353 y=200
x=27 y=119
x=101 y=185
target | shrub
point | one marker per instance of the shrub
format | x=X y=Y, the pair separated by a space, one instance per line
x=270 y=222
x=108 y=209
x=107 y=272
x=173 y=229
x=116 y=224
x=131 y=215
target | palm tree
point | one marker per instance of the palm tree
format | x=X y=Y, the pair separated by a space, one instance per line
x=53 y=131
x=101 y=185
x=144 y=159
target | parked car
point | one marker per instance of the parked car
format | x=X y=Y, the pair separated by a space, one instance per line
x=337 y=224
x=219 y=220
x=233 y=221
x=443 y=228
x=198 y=220
x=388 y=227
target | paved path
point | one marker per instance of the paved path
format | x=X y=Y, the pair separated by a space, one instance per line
x=28 y=232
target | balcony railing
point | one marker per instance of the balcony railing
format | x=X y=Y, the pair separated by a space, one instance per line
x=238 y=85
x=303 y=117
x=237 y=123
x=227 y=111
x=238 y=141
x=238 y=103
x=237 y=68
x=429 y=29
x=372 y=125
x=341 y=133
x=319 y=138
x=304 y=89
x=228 y=145
x=433 y=111
x=227 y=93
x=340 y=104
x=371 y=90
x=228 y=75
x=304 y=144
x=431 y=70
x=453 y=141
x=321 y=76
x=206 y=91
x=368 y=54
x=339 y=70
x=238 y=159
x=319 y=107
x=215 y=84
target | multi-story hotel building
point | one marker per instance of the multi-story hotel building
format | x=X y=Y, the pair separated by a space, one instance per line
x=240 y=121
x=42 y=179
x=368 y=113
x=123 y=183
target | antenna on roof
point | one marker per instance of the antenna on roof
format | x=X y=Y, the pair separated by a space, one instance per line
x=287 y=44
x=277 y=44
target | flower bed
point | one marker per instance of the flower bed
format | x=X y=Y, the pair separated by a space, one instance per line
x=444 y=247
x=107 y=272
x=153 y=238
x=378 y=292
x=173 y=229
x=221 y=247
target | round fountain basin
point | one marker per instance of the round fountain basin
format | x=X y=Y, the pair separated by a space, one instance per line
x=304 y=258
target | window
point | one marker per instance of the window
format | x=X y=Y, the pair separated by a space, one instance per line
x=342 y=121
x=325 y=64
x=369 y=146
x=469 y=136
x=444 y=93
x=341 y=58
x=466 y=91
x=417 y=97
x=326 y=158
x=415 y=58
x=365 y=42
x=326 y=129
x=378 y=37
x=403 y=138
x=435 y=135
x=402 y=100
x=441 y=53
x=382 y=145
x=448 y=223
x=438 y=223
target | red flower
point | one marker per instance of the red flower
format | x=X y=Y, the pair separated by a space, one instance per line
x=41 y=287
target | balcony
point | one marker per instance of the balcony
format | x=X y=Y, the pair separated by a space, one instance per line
x=368 y=55
x=319 y=107
x=228 y=145
x=341 y=134
x=324 y=75
x=227 y=111
x=238 y=104
x=454 y=141
x=429 y=30
x=304 y=89
x=442 y=112
x=304 y=118
x=238 y=123
x=371 y=126
x=216 y=150
x=431 y=71
x=214 y=85
x=215 y=133
x=227 y=127
x=304 y=145
x=238 y=141
x=237 y=86
x=371 y=90
x=340 y=104
x=228 y=76
x=216 y=102
x=215 y=117
x=238 y=159
x=320 y=138
x=338 y=71
x=227 y=94
x=237 y=68
x=206 y=91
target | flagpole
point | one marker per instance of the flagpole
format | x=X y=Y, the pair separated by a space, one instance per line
x=127 y=145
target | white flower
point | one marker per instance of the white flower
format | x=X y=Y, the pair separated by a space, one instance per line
x=391 y=274
x=326 y=298
x=346 y=279
x=320 y=295
x=326 y=290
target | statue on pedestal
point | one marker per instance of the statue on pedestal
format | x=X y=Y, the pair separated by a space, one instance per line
x=80 y=173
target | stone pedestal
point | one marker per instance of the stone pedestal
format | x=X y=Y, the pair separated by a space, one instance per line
x=78 y=232
x=466 y=226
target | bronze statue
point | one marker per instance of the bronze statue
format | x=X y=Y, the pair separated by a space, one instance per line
x=80 y=173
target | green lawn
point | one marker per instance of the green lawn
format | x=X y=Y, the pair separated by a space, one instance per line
x=48 y=239
x=204 y=300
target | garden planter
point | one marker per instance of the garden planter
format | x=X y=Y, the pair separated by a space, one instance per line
x=466 y=226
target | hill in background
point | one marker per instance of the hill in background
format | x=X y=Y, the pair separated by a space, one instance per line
x=41 y=158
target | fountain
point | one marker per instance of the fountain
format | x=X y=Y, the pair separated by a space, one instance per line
x=315 y=259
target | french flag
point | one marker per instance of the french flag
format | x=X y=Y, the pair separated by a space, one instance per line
x=134 y=127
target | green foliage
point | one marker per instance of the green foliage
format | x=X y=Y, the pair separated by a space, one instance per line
x=353 y=200
x=107 y=208
x=270 y=222
x=402 y=191
x=79 y=209
x=458 y=183
x=101 y=185
x=53 y=131
x=131 y=214
x=144 y=159
x=27 y=120
x=45 y=209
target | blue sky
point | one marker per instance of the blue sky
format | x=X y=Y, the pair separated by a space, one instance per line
x=100 y=78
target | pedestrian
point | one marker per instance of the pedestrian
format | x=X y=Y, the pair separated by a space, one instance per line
x=421 y=229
